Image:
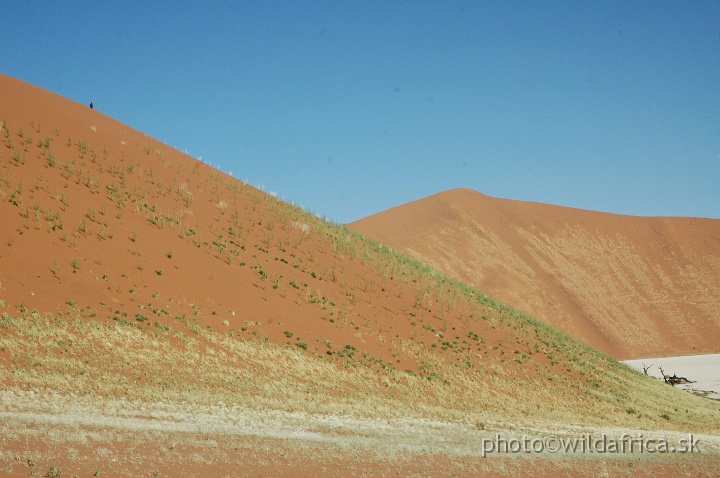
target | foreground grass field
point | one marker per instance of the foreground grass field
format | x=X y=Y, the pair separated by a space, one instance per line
x=117 y=399
x=78 y=352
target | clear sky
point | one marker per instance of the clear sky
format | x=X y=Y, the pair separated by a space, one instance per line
x=352 y=107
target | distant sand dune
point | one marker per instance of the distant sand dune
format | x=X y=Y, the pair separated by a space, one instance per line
x=630 y=286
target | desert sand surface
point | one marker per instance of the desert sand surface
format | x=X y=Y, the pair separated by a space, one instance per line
x=629 y=286
x=161 y=318
x=702 y=370
x=129 y=438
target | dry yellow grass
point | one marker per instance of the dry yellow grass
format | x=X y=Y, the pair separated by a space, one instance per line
x=89 y=357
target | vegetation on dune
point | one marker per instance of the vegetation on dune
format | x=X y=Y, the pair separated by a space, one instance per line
x=387 y=337
x=74 y=352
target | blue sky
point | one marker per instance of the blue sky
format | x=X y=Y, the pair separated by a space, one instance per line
x=352 y=107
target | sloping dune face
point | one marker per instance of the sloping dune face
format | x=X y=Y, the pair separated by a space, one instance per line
x=630 y=286
x=131 y=270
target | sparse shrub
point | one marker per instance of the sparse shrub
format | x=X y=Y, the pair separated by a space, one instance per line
x=83 y=148
x=302 y=345
x=53 y=472
x=6 y=320
x=288 y=334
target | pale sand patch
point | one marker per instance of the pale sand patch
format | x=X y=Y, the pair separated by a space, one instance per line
x=72 y=417
x=702 y=370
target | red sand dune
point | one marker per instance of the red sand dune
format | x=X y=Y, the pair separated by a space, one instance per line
x=630 y=286
x=132 y=221
x=108 y=218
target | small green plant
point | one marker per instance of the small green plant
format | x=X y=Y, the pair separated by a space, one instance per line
x=76 y=265
x=288 y=334
x=302 y=345
x=83 y=147
x=158 y=272
x=53 y=472
x=169 y=254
